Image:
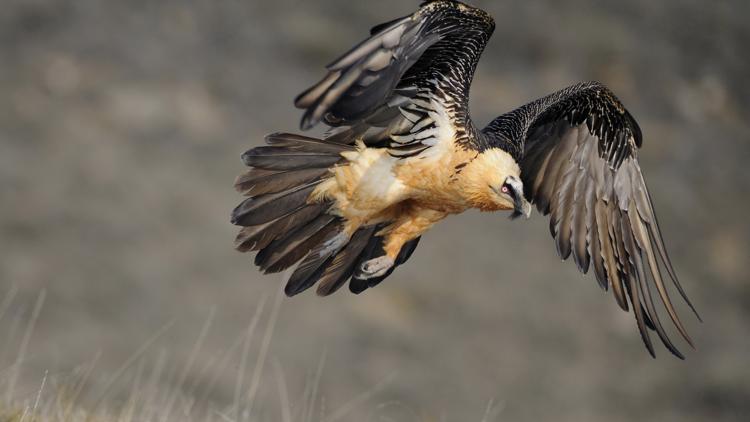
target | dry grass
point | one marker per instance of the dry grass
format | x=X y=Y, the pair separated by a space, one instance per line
x=60 y=397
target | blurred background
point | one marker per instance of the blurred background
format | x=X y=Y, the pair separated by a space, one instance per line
x=121 y=127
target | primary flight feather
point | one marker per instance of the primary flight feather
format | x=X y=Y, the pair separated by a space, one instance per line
x=402 y=153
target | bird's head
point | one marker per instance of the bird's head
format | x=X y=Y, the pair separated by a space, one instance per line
x=512 y=192
x=492 y=182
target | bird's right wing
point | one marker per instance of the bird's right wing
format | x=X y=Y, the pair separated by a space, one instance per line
x=383 y=91
x=580 y=166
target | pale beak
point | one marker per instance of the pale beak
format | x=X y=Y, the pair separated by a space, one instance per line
x=521 y=207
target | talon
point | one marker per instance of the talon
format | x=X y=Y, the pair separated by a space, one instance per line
x=375 y=267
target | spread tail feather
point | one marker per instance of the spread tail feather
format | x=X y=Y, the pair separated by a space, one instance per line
x=285 y=228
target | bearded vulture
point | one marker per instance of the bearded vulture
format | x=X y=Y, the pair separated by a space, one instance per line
x=402 y=153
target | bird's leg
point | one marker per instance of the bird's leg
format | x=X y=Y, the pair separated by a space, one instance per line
x=408 y=226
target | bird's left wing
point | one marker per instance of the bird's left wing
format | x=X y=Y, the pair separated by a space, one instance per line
x=384 y=90
x=579 y=165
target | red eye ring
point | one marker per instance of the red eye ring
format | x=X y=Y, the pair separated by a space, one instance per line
x=504 y=189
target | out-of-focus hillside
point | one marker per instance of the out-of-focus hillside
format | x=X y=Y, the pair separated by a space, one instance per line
x=121 y=126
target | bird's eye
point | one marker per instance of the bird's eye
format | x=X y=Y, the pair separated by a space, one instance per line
x=505 y=189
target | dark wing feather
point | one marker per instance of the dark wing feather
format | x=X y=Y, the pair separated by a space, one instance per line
x=343 y=264
x=383 y=90
x=580 y=166
x=261 y=209
x=254 y=238
x=285 y=159
x=256 y=182
x=283 y=252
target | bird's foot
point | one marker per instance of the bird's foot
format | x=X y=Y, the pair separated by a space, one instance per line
x=376 y=267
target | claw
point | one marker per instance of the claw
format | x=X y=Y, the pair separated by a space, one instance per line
x=375 y=267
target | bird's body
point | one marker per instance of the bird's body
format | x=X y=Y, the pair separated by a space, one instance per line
x=374 y=187
x=410 y=194
x=403 y=153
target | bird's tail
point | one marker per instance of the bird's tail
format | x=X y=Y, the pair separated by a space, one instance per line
x=280 y=222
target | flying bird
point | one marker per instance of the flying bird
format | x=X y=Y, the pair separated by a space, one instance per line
x=402 y=153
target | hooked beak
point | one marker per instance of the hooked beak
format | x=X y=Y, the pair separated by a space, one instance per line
x=521 y=207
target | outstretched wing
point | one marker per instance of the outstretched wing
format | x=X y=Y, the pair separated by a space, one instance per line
x=580 y=165
x=405 y=83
